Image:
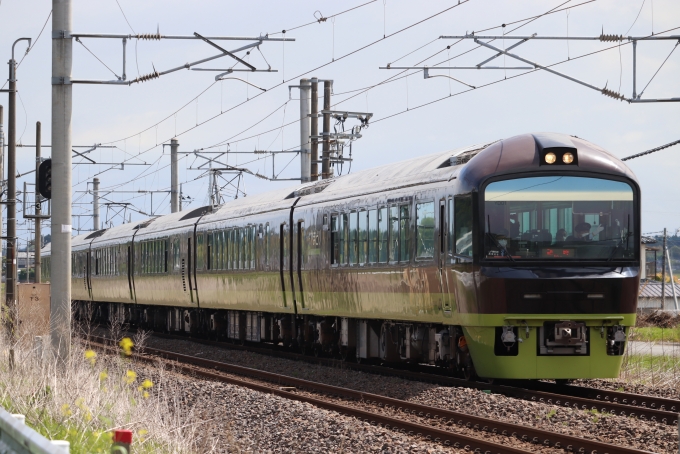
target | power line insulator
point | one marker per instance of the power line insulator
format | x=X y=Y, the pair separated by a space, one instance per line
x=612 y=94
x=610 y=38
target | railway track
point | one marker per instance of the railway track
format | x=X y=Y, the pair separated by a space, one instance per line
x=287 y=387
x=662 y=410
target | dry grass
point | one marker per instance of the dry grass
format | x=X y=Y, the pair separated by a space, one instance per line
x=91 y=394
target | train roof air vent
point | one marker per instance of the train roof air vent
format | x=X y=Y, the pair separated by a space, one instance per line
x=95 y=234
x=141 y=225
x=197 y=212
x=550 y=140
x=463 y=157
x=309 y=189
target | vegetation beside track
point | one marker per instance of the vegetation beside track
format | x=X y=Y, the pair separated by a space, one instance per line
x=84 y=400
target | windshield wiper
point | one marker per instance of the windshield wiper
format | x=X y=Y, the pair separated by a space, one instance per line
x=628 y=235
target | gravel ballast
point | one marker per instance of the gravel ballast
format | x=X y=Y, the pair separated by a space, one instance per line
x=640 y=434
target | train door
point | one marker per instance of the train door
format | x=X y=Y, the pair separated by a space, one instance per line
x=130 y=271
x=443 y=261
x=464 y=283
x=297 y=260
x=191 y=271
x=88 y=273
x=284 y=265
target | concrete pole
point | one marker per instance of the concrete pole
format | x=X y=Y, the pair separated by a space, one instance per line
x=314 y=130
x=11 y=263
x=37 y=242
x=95 y=204
x=305 y=148
x=326 y=158
x=663 y=273
x=174 y=177
x=62 y=109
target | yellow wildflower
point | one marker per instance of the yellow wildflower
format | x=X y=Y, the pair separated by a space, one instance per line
x=146 y=384
x=126 y=344
x=79 y=402
x=103 y=375
x=130 y=376
x=66 y=410
x=145 y=394
x=88 y=416
x=91 y=356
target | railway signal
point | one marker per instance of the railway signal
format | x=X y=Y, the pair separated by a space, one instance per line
x=45 y=178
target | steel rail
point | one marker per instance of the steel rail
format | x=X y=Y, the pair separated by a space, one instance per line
x=524 y=433
x=458 y=441
x=636 y=400
x=619 y=403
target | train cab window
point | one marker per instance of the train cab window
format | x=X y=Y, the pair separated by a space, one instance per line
x=372 y=243
x=382 y=235
x=353 y=238
x=463 y=226
x=404 y=234
x=394 y=234
x=363 y=237
x=425 y=230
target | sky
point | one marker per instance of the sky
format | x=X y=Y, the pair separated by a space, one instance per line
x=412 y=116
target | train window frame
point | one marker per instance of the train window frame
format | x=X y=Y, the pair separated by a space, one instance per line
x=266 y=244
x=451 y=227
x=405 y=239
x=372 y=241
x=353 y=238
x=393 y=233
x=383 y=245
x=362 y=237
x=418 y=228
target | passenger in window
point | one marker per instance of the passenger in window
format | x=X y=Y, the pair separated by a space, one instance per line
x=514 y=226
x=581 y=232
x=560 y=236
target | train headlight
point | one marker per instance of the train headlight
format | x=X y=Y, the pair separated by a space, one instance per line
x=567 y=158
x=550 y=158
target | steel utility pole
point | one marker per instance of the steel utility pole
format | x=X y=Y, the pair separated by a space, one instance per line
x=95 y=205
x=314 y=130
x=305 y=149
x=174 y=177
x=62 y=110
x=11 y=271
x=37 y=242
x=326 y=158
x=663 y=273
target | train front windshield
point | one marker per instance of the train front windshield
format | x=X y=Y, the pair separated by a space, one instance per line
x=559 y=218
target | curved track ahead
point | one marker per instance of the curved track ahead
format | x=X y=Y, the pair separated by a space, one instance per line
x=206 y=368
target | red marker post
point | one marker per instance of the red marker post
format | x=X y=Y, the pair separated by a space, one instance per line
x=122 y=439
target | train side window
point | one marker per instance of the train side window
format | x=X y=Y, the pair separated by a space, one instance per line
x=253 y=247
x=425 y=230
x=165 y=256
x=244 y=249
x=233 y=248
x=404 y=234
x=353 y=237
x=394 y=234
x=373 y=244
x=266 y=244
x=219 y=245
x=224 y=259
x=382 y=235
x=463 y=226
x=335 y=239
x=363 y=236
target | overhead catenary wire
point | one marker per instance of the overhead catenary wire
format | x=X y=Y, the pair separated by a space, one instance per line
x=366 y=46
x=530 y=19
x=653 y=150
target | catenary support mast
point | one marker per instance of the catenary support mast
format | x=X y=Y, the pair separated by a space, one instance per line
x=62 y=57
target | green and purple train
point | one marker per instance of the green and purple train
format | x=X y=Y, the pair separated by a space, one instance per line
x=514 y=259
